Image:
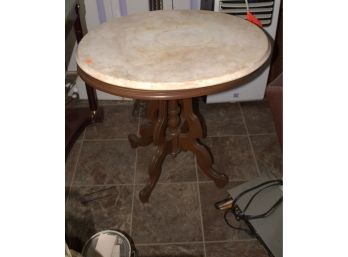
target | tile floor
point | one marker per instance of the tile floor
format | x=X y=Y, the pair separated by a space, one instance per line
x=104 y=176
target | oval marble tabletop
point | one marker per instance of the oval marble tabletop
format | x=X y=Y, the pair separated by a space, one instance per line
x=173 y=50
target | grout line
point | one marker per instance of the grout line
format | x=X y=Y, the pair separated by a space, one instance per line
x=170 y=243
x=198 y=242
x=158 y=183
x=74 y=170
x=101 y=185
x=169 y=183
x=174 y=182
x=250 y=143
x=110 y=139
x=200 y=207
x=241 y=135
x=136 y=184
x=135 y=171
x=231 y=240
x=133 y=196
x=212 y=182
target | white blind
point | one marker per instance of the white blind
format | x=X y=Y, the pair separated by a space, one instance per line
x=262 y=9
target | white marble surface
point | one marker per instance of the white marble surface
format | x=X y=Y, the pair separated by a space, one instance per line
x=173 y=50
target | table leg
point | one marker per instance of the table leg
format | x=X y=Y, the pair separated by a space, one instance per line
x=173 y=127
x=159 y=138
x=155 y=170
x=97 y=114
x=190 y=141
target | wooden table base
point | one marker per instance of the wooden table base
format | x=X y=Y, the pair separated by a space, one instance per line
x=173 y=127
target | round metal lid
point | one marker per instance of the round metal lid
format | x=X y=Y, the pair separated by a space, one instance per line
x=107 y=243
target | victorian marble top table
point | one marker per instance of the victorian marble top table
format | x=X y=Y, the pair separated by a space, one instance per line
x=169 y=57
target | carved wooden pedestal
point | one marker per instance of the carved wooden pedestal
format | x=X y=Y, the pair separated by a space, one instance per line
x=173 y=127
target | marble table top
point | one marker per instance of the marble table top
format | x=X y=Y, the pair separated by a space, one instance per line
x=173 y=50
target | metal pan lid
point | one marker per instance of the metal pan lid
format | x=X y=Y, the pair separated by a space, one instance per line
x=107 y=243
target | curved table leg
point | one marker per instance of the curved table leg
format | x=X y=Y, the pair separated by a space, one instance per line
x=205 y=162
x=184 y=130
x=155 y=169
x=189 y=141
x=159 y=138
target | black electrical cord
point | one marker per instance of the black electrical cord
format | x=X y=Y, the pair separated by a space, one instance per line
x=262 y=215
x=252 y=198
x=229 y=224
x=265 y=213
x=241 y=215
x=279 y=182
x=238 y=214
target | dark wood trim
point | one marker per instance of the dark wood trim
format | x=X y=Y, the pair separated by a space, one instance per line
x=77 y=119
x=77 y=25
x=69 y=24
x=277 y=55
x=274 y=95
x=164 y=95
x=274 y=89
